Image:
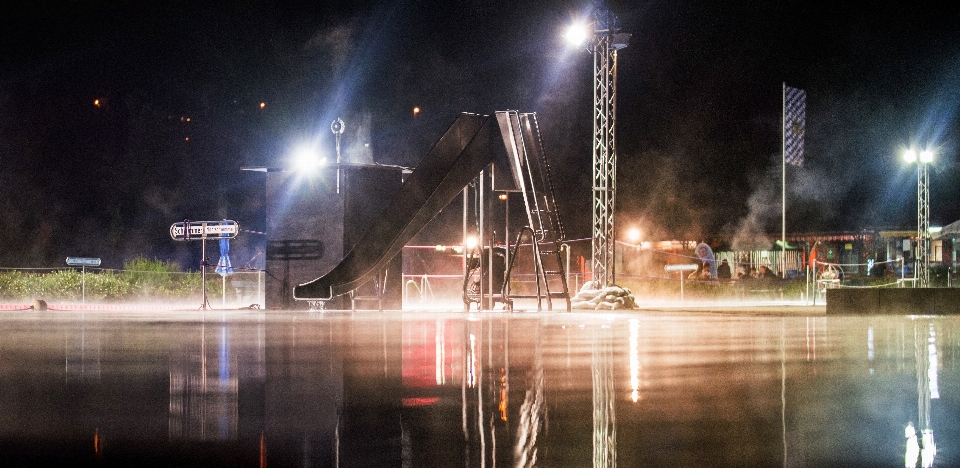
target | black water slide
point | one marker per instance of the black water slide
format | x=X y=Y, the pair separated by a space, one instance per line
x=467 y=147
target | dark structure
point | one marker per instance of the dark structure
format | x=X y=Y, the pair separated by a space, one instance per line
x=893 y=301
x=463 y=151
x=311 y=226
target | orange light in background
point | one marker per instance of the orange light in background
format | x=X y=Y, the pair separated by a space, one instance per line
x=96 y=102
x=635 y=360
x=416 y=111
x=186 y=139
x=502 y=406
x=263 y=104
x=502 y=196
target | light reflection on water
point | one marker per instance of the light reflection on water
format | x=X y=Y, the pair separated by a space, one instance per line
x=477 y=390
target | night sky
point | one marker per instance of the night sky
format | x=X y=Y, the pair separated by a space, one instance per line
x=118 y=119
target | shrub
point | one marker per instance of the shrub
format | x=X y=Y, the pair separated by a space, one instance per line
x=58 y=285
x=13 y=285
x=157 y=279
x=107 y=286
x=141 y=279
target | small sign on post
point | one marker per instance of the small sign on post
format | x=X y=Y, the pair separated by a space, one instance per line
x=201 y=230
x=83 y=263
x=681 y=268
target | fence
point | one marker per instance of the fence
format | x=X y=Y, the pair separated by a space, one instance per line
x=242 y=288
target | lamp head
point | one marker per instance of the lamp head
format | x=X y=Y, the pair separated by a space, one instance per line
x=576 y=35
x=306 y=160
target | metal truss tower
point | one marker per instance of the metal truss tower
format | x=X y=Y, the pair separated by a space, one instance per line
x=606 y=42
x=923 y=226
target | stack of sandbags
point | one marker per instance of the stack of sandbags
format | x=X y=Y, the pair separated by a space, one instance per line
x=607 y=298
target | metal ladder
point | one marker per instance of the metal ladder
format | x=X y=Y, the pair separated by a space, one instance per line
x=532 y=177
x=379 y=284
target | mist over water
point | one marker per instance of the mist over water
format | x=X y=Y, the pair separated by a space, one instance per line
x=437 y=389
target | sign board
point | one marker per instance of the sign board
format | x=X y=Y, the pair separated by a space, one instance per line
x=83 y=261
x=202 y=230
x=682 y=267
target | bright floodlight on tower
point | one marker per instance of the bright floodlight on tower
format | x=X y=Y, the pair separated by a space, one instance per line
x=306 y=160
x=633 y=235
x=576 y=34
x=923 y=160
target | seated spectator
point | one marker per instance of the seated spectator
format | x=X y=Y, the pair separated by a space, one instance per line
x=705 y=271
x=723 y=270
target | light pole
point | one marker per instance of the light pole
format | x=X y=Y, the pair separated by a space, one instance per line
x=923 y=159
x=606 y=41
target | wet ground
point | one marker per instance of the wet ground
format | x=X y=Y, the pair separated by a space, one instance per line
x=431 y=389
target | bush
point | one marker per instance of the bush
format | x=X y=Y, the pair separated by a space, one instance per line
x=939 y=275
x=58 y=285
x=13 y=285
x=107 y=286
x=140 y=280
x=157 y=279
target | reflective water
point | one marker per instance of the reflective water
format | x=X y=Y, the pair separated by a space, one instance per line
x=480 y=390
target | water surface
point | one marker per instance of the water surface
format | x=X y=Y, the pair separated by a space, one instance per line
x=428 y=389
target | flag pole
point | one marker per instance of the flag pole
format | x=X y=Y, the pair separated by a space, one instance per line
x=783 y=183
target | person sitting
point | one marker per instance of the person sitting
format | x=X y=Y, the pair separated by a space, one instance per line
x=723 y=270
x=766 y=273
x=705 y=271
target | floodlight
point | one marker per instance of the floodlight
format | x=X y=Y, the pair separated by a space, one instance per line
x=576 y=35
x=926 y=156
x=910 y=156
x=306 y=160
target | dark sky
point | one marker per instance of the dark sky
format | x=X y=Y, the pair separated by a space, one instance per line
x=180 y=84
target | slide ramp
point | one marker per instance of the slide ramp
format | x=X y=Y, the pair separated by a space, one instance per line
x=470 y=144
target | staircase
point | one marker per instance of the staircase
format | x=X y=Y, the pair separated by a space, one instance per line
x=531 y=174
